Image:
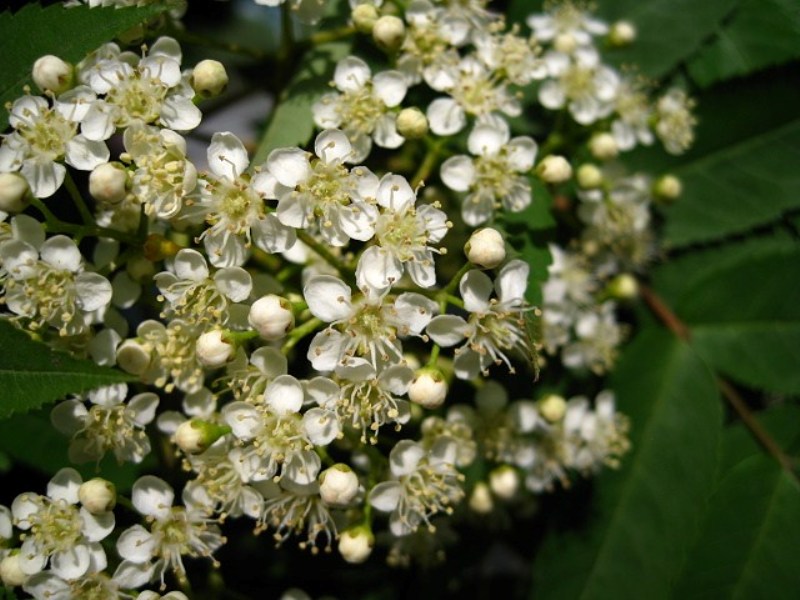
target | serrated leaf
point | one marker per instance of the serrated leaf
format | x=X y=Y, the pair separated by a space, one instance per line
x=737 y=188
x=745 y=319
x=50 y=452
x=291 y=123
x=644 y=516
x=34 y=374
x=761 y=33
x=69 y=33
x=748 y=545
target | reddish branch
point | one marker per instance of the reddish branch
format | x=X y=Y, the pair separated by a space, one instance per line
x=681 y=331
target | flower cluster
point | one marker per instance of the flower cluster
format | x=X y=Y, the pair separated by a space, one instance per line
x=336 y=368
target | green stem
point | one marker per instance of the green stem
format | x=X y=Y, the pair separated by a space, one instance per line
x=77 y=198
x=238 y=337
x=55 y=225
x=298 y=333
x=434 y=355
x=326 y=254
x=429 y=162
x=323 y=37
x=451 y=287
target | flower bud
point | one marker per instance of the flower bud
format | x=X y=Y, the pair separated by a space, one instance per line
x=209 y=78
x=364 y=17
x=389 y=32
x=133 y=357
x=11 y=573
x=271 y=316
x=412 y=123
x=429 y=388
x=14 y=193
x=97 y=495
x=603 y=146
x=589 y=176
x=53 y=74
x=552 y=407
x=109 y=183
x=565 y=43
x=504 y=481
x=623 y=287
x=157 y=247
x=212 y=350
x=338 y=485
x=355 y=545
x=554 y=169
x=486 y=248
x=481 y=499
x=140 y=269
x=667 y=188
x=622 y=33
x=196 y=436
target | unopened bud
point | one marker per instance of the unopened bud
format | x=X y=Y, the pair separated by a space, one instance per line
x=429 y=388
x=552 y=407
x=140 y=269
x=213 y=351
x=565 y=42
x=412 y=123
x=11 y=573
x=133 y=357
x=109 y=183
x=554 y=169
x=667 y=188
x=364 y=17
x=209 y=78
x=623 y=287
x=622 y=33
x=272 y=317
x=481 y=499
x=14 y=193
x=355 y=545
x=486 y=248
x=504 y=481
x=97 y=495
x=338 y=485
x=603 y=146
x=50 y=73
x=196 y=436
x=389 y=32
x=589 y=176
x=157 y=247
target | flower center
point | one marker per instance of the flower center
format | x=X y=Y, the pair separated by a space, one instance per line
x=48 y=134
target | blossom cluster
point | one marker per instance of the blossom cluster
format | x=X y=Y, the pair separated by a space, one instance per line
x=296 y=328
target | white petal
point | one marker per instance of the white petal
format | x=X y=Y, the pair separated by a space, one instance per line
x=302 y=467
x=467 y=364
x=476 y=288
x=244 y=419
x=64 y=485
x=385 y=496
x=356 y=369
x=328 y=298
x=227 y=156
x=351 y=74
x=47 y=586
x=234 y=282
x=321 y=426
x=272 y=236
x=269 y=361
x=512 y=282
x=487 y=140
x=358 y=221
x=72 y=563
x=144 y=406
x=44 y=176
x=225 y=250
x=415 y=311
x=94 y=291
x=322 y=391
x=396 y=193
x=377 y=268
x=136 y=544
x=69 y=417
x=31 y=560
x=289 y=166
x=180 y=114
x=447 y=330
x=284 y=395
x=521 y=153
x=390 y=87
x=326 y=349
x=404 y=457
x=396 y=379
x=98 y=124
x=385 y=134
x=62 y=253
x=131 y=575
x=332 y=146
x=85 y=154
x=458 y=173
x=551 y=95
x=445 y=116
x=152 y=497
x=190 y=264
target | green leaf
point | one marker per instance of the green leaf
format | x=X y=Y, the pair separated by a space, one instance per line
x=737 y=188
x=50 y=452
x=745 y=319
x=761 y=33
x=69 y=33
x=34 y=374
x=292 y=123
x=748 y=545
x=644 y=516
x=781 y=422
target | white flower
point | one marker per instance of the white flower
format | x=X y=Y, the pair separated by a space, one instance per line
x=232 y=203
x=175 y=531
x=424 y=483
x=367 y=326
x=362 y=109
x=403 y=233
x=292 y=508
x=49 y=286
x=250 y=377
x=496 y=176
x=109 y=424
x=197 y=297
x=598 y=338
x=510 y=54
x=566 y=20
x=57 y=531
x=633 y=110
x=323 y=191
x=675 y=121
x=151 y=90
x=45 y=135
x=495 y=327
